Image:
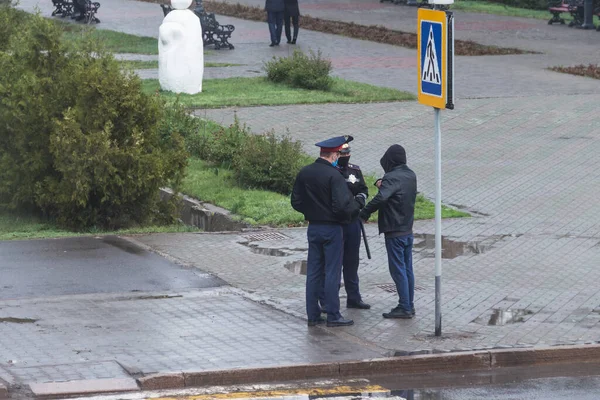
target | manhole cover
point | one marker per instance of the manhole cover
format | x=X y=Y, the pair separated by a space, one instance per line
x=391 y=288
x=262 y=236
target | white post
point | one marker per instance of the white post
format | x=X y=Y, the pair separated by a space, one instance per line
x=438 y=224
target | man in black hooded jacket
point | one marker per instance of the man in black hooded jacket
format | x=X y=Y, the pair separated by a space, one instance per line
x=396 y=205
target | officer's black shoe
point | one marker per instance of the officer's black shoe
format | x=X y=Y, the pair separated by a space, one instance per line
x=317 y=321
x=398 y=313
x=340 y=322
x=358 y=304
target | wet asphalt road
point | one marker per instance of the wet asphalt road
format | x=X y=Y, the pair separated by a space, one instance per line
x=87 y=265
x=542 y=382
x=587 y=388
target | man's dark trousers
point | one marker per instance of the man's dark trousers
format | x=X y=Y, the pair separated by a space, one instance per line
x=288 y=31
x=350 y=261
x=275 y=20
x=399 y=251
x=325 y=248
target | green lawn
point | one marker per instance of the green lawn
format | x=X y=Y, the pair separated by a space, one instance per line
x=153 y=64
x=19 y=226
x=245 y=92
x=117 y=42
x=216 y=185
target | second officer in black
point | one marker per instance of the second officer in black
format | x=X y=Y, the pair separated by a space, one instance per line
x=352 y=231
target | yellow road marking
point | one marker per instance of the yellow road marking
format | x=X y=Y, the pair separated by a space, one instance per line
x=338 y=390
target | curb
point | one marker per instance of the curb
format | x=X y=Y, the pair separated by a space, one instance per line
x=205 y=216
x=403 y=365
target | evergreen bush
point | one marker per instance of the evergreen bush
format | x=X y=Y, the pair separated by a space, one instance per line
x=270 y=163
x=79 y=140
x=301 y=70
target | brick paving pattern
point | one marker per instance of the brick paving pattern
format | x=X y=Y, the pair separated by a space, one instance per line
x=192 y=330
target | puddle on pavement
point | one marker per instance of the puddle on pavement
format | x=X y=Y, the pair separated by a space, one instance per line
x=12 y=320
x=450 y=248
x=157 y=297
x=297 y=267
x=504 y=317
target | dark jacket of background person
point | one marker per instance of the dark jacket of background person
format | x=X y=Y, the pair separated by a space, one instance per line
x=397 y=195
x=322 y=195
x=274 y=5
x=291 y=8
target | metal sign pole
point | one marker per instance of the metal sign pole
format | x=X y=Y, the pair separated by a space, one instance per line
x=435 y=49
x=438 y=224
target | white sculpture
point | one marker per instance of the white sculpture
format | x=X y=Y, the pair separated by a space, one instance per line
x=180 y=50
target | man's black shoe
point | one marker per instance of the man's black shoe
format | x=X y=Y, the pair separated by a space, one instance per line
x=398 y=313
x=272 y=44
x=358 y=304
x=293 y=41
x=340 y=322
x=317 y=321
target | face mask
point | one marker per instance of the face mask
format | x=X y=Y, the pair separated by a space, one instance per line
x=335 y=163
x=343 y=161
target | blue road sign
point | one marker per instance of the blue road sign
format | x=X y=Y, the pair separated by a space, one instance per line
x=432 y=78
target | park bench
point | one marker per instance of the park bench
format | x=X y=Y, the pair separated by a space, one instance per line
x=573 y=7
x=87 y=9
x=90 y=8
x=64 y=8
x=212 y=32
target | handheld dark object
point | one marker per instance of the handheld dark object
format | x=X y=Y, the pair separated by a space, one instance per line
x=364 y=235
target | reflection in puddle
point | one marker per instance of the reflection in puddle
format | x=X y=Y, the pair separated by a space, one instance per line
x=297 y=267
x=412 y=394
x=504 y=317
x=450 y=248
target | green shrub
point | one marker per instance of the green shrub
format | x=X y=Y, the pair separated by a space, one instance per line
x=278 y=70
x=301 y=70
x=79 y=140
x=268 y=162
x=225 y=144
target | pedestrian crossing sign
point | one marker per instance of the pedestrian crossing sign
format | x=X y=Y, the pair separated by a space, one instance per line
x=435 y=54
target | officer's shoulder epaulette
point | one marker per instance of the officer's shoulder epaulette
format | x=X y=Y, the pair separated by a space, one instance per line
x=353 y=166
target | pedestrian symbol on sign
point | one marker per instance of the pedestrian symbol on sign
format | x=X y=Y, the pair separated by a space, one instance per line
x=431 y=72
x=432 y=76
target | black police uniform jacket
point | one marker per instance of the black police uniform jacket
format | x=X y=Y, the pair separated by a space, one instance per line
x=354 y=178
x=322 y=195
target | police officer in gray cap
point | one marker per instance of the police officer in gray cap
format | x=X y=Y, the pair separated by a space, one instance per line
x=321 y=193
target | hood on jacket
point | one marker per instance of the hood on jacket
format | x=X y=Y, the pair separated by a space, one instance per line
x=395 y=155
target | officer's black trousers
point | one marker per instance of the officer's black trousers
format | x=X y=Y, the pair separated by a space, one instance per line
x=352 y=236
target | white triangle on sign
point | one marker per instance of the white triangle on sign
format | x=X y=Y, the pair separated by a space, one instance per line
x=431 y=72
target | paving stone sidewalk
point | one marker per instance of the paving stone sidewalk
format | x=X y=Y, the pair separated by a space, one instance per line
x=121 y=335
x=523 y=166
